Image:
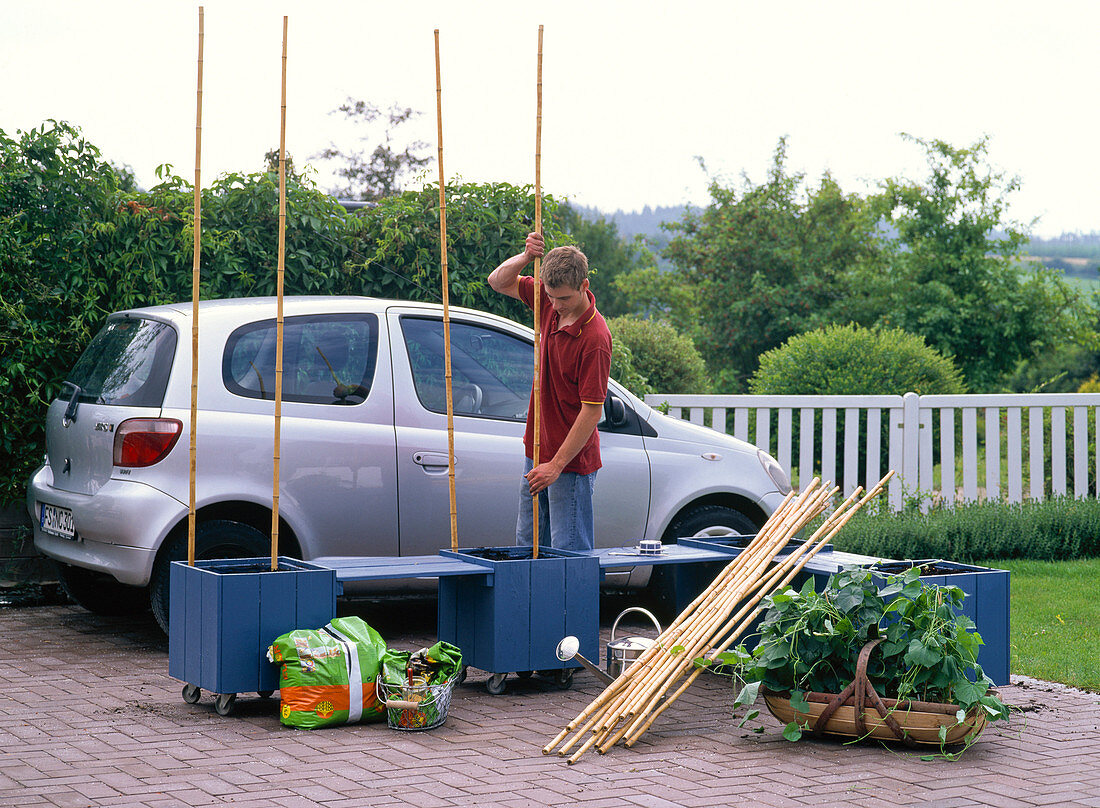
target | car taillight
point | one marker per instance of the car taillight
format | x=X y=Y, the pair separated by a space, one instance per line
x=144 y=441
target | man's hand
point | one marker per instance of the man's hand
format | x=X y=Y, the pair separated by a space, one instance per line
x=534 y=247
x=542 y=476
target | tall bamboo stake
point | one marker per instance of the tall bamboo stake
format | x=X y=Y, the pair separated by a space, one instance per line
x=537 y=295
x=196 y=261
x=280 y=271
x=446 y=303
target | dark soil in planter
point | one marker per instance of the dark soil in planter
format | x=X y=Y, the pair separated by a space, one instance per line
x=501 y=553
x=929 y=568
x=230 y=568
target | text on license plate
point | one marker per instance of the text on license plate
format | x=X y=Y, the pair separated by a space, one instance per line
x=55 y=520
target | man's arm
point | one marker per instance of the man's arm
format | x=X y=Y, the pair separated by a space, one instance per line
x=505 y=278
x=544 y=474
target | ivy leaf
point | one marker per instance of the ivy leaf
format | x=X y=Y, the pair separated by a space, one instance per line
x=798 y=701
x=792 y=732
x=749 y=716
x=747 y=695
x=922 y=655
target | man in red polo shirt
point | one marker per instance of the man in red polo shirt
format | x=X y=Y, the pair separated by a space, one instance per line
x=574 y=361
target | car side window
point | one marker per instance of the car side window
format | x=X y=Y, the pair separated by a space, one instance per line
x=491 y=370
x=327 y=359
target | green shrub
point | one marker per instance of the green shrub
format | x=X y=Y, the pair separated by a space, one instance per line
x=665 y=358
x=1054 y=530
x=853 y=360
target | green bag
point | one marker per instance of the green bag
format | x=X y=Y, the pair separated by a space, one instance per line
x=328 y=676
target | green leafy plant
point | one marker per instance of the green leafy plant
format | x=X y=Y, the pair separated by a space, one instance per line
x=809 y=641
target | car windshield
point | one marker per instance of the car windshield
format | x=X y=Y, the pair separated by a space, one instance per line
x=127 y=363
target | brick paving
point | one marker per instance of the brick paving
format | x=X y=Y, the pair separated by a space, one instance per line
x=90 y=717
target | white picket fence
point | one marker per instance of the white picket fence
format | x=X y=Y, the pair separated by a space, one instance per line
x=937 y=444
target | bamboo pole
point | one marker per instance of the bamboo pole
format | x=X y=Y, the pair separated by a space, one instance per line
x=538 y=295
x=196 y=261
x=280 y=272
x=446 y=304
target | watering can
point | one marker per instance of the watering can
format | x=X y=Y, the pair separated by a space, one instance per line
x=620 y=653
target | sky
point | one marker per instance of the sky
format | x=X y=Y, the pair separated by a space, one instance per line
x=633 y=92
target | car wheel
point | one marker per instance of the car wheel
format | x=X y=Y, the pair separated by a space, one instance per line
x=709 y=520
x=218 y=538
x=670 y=589
x=100 y=593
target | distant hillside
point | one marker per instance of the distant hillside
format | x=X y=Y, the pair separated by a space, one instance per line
x=646 y=222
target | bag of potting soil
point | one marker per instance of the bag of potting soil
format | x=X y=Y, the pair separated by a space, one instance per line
x=328 y=675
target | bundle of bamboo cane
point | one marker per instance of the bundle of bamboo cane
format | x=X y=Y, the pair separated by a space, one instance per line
x=710 y=624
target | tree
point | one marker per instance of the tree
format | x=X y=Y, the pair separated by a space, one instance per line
x=954 y=273
x=764 y=263
x=379 y=174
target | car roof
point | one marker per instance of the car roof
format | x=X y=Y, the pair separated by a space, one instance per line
x=258 y=307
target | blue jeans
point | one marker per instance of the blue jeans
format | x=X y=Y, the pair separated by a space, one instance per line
x=565 y=512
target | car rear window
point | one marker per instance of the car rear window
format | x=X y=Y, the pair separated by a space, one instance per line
x=327 y=359
x=127 y=363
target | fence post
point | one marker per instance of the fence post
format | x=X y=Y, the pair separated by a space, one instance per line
x=910 y=444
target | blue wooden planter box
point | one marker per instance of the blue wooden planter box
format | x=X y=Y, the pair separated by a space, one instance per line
x=513 y=620
x=986 y=603
x=224 y=613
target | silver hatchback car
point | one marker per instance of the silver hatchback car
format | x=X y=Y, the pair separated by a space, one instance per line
x=364 y=459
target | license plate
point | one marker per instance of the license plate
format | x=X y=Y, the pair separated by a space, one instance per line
x=55 y=520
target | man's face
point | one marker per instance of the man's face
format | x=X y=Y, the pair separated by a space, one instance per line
x=567 y=301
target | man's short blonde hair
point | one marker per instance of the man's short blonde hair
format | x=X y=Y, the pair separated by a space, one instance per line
x=564 y=266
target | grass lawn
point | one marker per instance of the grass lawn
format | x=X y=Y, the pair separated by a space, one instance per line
x=1055 y=620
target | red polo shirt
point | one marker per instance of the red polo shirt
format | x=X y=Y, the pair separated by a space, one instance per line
x=573 y=368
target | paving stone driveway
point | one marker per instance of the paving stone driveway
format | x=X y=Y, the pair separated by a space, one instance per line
x=90 y=717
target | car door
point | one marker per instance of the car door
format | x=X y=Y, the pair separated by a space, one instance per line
x=491 y=368
x=338 y=482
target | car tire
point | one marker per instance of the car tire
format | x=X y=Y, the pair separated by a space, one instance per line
x=709 y=520
x=218 y=538
x=663 y=592
x=100 y=593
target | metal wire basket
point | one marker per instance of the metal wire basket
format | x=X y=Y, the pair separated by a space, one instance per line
x=414 y=707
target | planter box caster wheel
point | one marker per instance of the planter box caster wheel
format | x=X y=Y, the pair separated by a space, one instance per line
x=192 y=693
x=264 y=694
x=564 y=678
x=496 y=684
x=524 y=674
x=224 y=703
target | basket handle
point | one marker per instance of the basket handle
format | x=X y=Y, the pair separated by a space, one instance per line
x=646 y=612
x=402 y=705
x=860 y=691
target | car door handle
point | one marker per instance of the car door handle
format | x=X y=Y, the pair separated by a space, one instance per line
x=432 y=459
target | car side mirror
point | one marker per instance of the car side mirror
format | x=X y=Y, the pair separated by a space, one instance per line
x=616 y=411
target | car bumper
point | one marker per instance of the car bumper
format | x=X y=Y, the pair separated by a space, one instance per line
x=108 y=538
